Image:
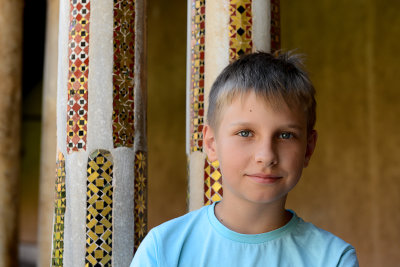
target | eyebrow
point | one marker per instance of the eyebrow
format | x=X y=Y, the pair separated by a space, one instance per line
x=294 y=126
x=247 y=124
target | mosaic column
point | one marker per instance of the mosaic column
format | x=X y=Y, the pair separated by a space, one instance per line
x=48 y=140
x=101 y=133
x=219 y=32
x=10 y=121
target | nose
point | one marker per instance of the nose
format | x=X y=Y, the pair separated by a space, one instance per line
x=266 y=153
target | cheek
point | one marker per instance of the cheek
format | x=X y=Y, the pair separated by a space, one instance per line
x=293 y=155
x=230 y=156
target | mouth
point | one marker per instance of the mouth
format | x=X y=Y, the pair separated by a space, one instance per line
x=263 y=178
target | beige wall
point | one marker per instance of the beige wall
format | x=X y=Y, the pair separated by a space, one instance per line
x=166 y=109
x=352 y=187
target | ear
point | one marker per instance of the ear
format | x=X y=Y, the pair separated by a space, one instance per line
x=311 y=143
x=209 y=143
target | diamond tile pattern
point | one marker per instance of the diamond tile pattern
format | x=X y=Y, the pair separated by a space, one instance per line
x=212 y=182
x=240 y=28
x=123 y=74
x=275 y=26
x=197 y=75
x=140 y=198
x=99 y=205
x=60 y=205
x=77 y=105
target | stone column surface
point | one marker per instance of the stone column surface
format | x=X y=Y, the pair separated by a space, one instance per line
x=48 y=140
x=10 y=102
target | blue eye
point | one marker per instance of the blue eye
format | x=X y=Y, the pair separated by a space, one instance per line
x=285 y=135
x=244 y=133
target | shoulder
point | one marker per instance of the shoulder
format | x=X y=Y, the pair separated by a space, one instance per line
x=325 y=245
x=170 y=236
x=310 y=232
x=182 y=223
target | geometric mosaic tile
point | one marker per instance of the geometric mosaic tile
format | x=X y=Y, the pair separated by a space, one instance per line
x=240 y=28
x=140 y=198
x=59 y=212
x=197 y=75
x=212 y=182
x=77 y=106
x=275 y=26
x=123 y=72
x=99 y=200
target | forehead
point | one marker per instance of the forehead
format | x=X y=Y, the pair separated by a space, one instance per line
x=258 y=108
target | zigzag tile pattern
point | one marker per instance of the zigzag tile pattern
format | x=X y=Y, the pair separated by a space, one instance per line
x=197 y=75
x=60 y=206
x=123 y=73
x=240 y=28
x=77 y=106
x=99 y=204
x=140 y=198
x=212 y=182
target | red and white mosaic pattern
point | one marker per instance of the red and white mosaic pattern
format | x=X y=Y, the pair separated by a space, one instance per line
x=240 y=28
x=77 y=106
x=212 y=182
x=197 y=75
x=123 y=75
x=275 y=26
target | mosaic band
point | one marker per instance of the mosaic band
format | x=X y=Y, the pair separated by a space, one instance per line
x=197 y=75
x=240 y=28
x=275 y=26
x=59 y=212
x=212 y=182
x=99 y=199
x=77 y=106
x=123 y=76
x=140 y=198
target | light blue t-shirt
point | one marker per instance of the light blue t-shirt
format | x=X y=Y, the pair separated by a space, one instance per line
x=199 y=239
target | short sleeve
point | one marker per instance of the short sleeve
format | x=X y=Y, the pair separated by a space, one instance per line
x=349 y=258
x=146 y=255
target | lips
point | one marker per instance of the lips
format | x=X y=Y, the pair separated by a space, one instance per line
x=264 y=178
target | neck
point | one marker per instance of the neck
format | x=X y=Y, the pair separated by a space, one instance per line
x=252 y=218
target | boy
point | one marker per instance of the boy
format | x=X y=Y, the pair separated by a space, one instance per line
x=260 y=126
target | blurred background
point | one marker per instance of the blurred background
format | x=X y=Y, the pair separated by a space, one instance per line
x=352 y=187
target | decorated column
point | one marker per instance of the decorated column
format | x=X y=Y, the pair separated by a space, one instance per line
x=48 y=140
x=101 y=181
x=219 y=32
x=10 y=121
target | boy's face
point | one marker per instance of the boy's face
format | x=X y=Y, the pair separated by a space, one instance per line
x=262 y=151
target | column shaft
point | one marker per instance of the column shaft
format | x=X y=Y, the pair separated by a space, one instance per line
x=10 y=121
x=48 y=141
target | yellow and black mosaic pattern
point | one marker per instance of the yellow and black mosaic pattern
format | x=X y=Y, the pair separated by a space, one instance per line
x=140 y=198
x=123 y=75
x=197 y=75
x=275 y=26
x=99 y=209
x=77 y=106
x=60 y=205
x=240 y=28
x=212 y=182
